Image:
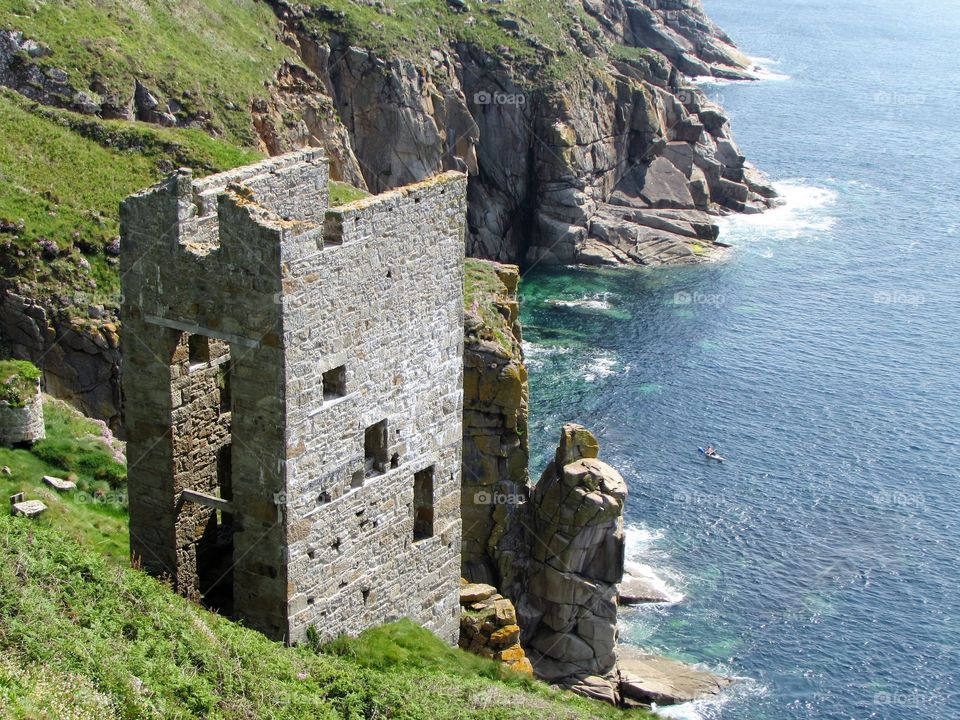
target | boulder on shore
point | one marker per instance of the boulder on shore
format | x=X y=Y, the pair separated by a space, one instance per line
x=653 y=679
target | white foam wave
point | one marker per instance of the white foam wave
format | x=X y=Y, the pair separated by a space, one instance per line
x=802 y=213
x=760 y=69
x=646 y=562
x=600 y=367
x=600 y=301
x=745 y=690
x=534 y=355
x=659 y=580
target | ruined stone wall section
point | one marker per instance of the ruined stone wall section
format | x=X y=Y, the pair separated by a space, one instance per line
x=200 y=431
x=179 y=277
x=22 y=424
x=322 y=533
x=354 y=560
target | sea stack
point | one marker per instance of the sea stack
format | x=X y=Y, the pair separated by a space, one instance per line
x=569 y=613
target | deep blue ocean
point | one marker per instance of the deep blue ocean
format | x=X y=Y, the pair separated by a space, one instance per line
x=821 y=356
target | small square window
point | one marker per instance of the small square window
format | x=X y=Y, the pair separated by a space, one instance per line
x=335 y=383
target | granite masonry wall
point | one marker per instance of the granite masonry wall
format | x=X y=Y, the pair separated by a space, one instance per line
x=22 y=424
x=292 y=380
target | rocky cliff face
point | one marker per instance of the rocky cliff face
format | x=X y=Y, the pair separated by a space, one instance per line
x=495 y=453
x=80 y=359
x=620 y=160
x=582 y=136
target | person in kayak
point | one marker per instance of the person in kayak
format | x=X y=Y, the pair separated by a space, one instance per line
x=710 y=451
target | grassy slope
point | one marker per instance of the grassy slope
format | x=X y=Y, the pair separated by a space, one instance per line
x=62 y=177
x=221 y=52
x=95 y=514
x=84 y=639
x=84 y=636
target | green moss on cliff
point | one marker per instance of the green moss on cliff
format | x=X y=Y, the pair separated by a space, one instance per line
x=212 y=56
x=342 y=193
x=488 y=314
x=534 y=34
x=18 y=382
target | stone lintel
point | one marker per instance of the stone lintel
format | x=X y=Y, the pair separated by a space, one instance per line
x=196 y=329
x=211 y=501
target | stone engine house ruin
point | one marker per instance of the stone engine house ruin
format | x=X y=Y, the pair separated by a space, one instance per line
x=293 y=393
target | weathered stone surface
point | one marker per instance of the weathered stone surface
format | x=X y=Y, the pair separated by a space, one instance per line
x=28 y=508
x=596 y=688
x=576 y=559
x=495 y=453
x=474 y=592
x=488 y=628
x=650 y=678
x=302 y=366
x=59 y=483
x=22 y=424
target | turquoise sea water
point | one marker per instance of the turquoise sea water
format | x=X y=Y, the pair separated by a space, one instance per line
x=821 y=357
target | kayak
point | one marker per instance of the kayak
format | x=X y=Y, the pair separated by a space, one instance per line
x=712 y=456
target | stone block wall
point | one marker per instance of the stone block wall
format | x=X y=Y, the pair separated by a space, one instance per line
x=291 y=373
x=22 y=424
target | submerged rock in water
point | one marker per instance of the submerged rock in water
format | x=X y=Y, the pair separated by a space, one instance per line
x=639 y=591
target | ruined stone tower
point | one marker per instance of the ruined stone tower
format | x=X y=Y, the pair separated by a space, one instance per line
x=293 y=396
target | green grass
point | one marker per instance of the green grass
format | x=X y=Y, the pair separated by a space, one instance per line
x=212 y=56
x=342 y=193
x=103 y=642
x=18 y=382
x=483 y=292
x=411 y=28
x=95 y=514
x=74 y=444
x=62 y=177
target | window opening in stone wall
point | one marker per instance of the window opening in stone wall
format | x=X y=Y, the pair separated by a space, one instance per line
x=215 y=546
x=199 y=347
x=423 y=504
x=335 y=383
x=375 y=457
x=223 y=383
x=356 y=480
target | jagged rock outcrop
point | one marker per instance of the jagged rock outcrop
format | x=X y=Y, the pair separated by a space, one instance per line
x=495 y=477
x=80 y=359
x=625 y=163
x=488 y=626
x=576 y=545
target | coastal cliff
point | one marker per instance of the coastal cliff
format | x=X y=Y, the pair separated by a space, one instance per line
x=495 y=452
x=577 y=124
